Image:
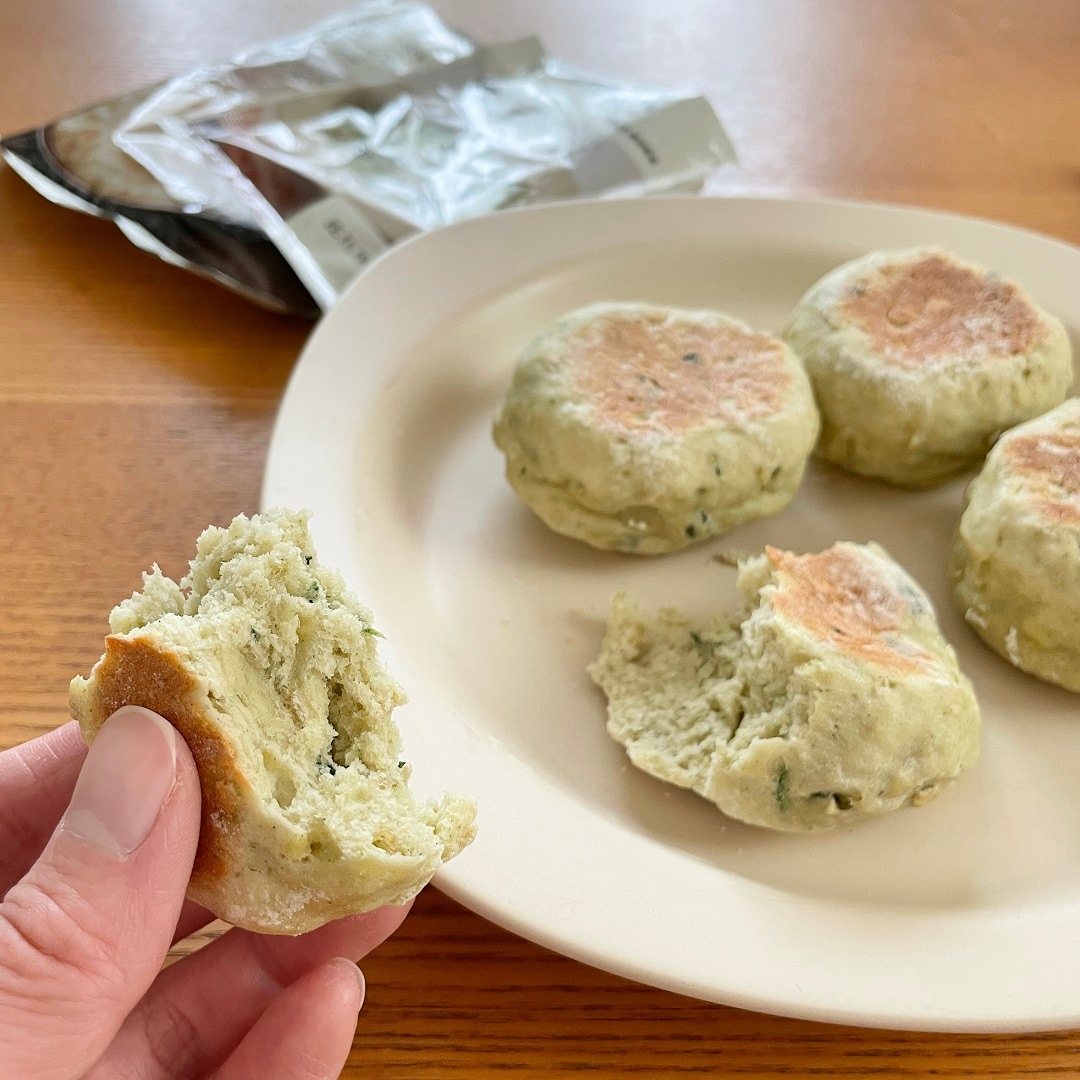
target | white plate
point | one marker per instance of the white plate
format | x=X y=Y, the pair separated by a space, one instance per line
x=963 y=915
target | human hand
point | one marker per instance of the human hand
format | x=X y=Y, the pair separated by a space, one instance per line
x=95 y=854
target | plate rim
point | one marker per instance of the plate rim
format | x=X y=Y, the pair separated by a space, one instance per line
x=454 y=879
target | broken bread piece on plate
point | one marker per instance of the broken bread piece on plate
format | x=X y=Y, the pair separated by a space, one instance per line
x=834 y=696
x=267 y=666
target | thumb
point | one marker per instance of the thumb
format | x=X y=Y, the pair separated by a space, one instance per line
x=83 y=934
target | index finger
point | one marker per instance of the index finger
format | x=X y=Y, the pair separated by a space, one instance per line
x=36 y=781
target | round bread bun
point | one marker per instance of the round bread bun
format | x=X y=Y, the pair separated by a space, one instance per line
x=266 y=665
x=646 y=429
x=834 y=698
x=1016 y=560
x=919 y=360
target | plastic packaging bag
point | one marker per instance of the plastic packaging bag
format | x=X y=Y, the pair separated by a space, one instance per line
x=282 y=172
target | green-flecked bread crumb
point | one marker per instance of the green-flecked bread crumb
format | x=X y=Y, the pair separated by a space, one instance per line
x=267 y=666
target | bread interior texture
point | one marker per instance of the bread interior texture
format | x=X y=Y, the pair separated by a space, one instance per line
x=288 y=658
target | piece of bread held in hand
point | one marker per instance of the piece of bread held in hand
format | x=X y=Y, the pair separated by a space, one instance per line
x=267 y=666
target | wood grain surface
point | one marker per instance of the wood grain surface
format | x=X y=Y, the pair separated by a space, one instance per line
x=136 y=403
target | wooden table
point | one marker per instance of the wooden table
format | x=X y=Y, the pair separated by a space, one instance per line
x=136 y=403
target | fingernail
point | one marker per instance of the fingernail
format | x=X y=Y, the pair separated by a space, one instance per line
x=357 y=973
x=125 y=780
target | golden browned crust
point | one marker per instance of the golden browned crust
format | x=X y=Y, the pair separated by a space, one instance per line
x=933 y=307
x=838 y=598
x=135 y=671
x=646 y=371
x=1050 y=465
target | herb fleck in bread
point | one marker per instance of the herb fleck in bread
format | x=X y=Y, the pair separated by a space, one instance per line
x=267 y=666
